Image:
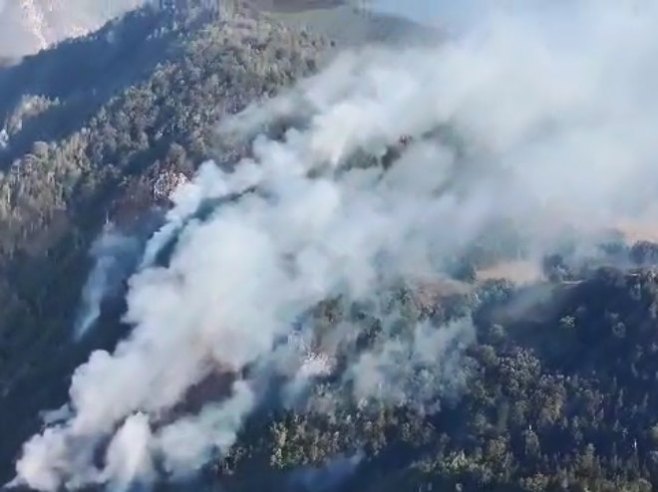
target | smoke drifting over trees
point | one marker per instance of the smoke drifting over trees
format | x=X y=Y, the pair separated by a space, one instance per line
x=541 y=120
x=114 y=256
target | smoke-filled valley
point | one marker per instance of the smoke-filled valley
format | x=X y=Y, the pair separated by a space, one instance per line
x=261 y=259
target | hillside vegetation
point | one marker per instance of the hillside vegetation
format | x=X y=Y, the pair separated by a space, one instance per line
x=91 y=126
x=554 y=394
x=558 y=398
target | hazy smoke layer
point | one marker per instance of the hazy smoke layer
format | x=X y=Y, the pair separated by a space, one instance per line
x=545 y=119
x=328 y=477
x=114 y=257
x=27 y=26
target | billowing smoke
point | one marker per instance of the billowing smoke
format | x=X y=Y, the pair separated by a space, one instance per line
x=115 y=255
x=544 y=120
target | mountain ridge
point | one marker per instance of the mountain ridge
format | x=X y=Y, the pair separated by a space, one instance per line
x=28 y=26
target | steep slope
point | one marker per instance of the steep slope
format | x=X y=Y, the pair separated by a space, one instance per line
x=555 y=400
x=327 y=315
x=350 y=26
x=128 y=50
x=154 y=115
x=108 y=145
x=28 y=26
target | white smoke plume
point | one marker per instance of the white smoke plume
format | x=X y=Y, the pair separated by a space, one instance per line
x=114 y=256
x=555 y=111
x=413 y=372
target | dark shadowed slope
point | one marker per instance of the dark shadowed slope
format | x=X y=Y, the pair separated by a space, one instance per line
x=77 y=76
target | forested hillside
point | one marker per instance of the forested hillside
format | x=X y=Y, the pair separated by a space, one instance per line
x=558 y=397
x=100 y=128
x=492 y=382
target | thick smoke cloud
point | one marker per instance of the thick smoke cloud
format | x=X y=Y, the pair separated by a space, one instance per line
x=545 y=120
